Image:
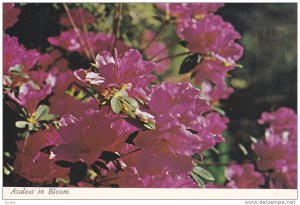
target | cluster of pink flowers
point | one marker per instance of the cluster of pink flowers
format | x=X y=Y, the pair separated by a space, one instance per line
x=113 y=124
x=277 y=151
x=213 y=39
x=127 y=131
x=276 y=165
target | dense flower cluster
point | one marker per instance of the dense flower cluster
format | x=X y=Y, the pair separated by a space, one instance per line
x=276 y=165
x=213 y=39
x=117 y=123
x=277 y=151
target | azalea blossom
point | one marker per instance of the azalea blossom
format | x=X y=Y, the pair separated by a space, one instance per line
x=90 y=77
x=277 y=152
x=243 y=176
x=15 y=54
x=85 y=138
x=79 y=16
x=95 y=42
x=130 y=71
x=35 y=165
x=180 y=130
x=29 y=97
x=156 y=49
x=10 y=15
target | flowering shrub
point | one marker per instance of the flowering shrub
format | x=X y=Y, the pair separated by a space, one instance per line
x=276 y=155
x=119 y=122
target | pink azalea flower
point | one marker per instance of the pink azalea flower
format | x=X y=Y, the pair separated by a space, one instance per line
x=284 y=179
x=216 y=92
x=64 y=80
x=180 y=131
x=65 y=104
x=284 y=119
x=78 y=18
x=103 y=42
x=130 y=178
x=178 y=98
x=10 y=15
x=216 y=124
x=212 y=70
x=99 y=42
x=67 y=40
x=84 y=139
x=273 y=154
x=277 y=152
x=130 y=70
x=14 y=53
x=185 y=11
x=164 y=151
x=29 y=97
x=154 y=48
x=88 y=77
x=209 y=34
x=35 y=165
x=243 y=176
x=52 y=60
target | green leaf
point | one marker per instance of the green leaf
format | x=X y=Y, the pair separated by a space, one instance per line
x=42 y=111
x=21 y=124
x=243 y=149
x=48 y=117
x=122 y=93
x=183 y=43
x=131 y=137
x=17 y=68
x=95 y=169
x=109 y=156
x=198 y=180
x=63 y=163
x=219 y=110
x=150 y=125
x=189 y=63
x=101 y=165
x=77 y=172
x=34 y=85
x=203 y=173
x=7 y=79
x=57 y=124
x=116 y=105
x=131 y=101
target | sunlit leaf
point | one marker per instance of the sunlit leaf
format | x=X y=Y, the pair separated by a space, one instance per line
x=41 y=112
x=116 y=105
x=198 y=180
x=21 y=124
x=203 y=173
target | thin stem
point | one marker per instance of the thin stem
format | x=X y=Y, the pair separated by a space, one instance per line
x=222 y=163
x=171 y=57
x=131 y=152
x=105 y=180
x=162 y=27
x=92 y=94
x=76 y=30
x=86 y=34
x=116 y=25
x=167 y=47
